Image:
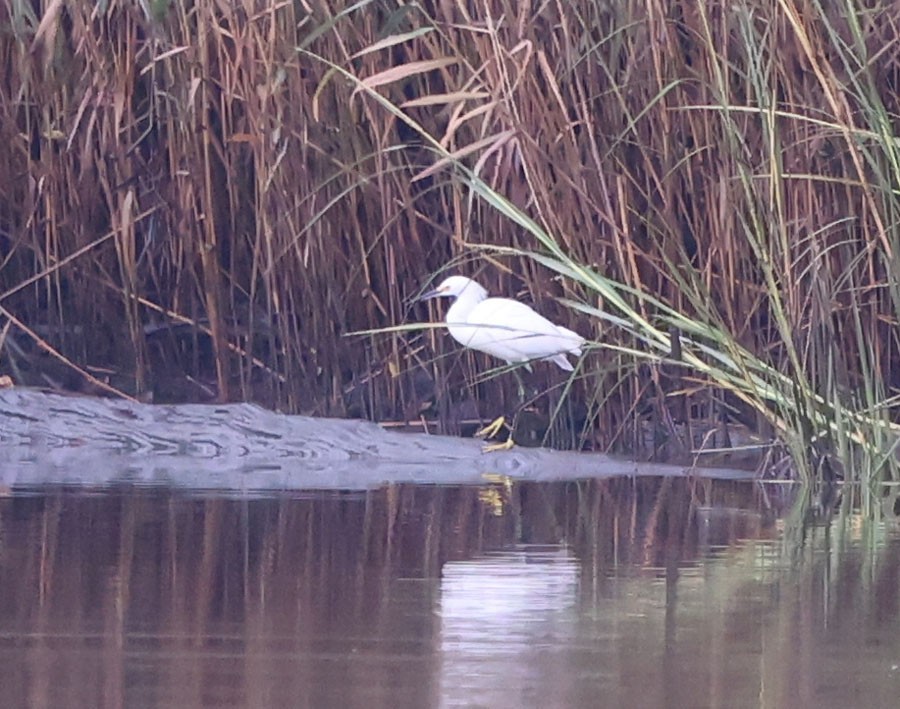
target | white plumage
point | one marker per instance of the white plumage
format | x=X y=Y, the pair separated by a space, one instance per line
x=502 y=327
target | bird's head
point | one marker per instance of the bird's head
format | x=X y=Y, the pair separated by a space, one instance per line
x=456 y=286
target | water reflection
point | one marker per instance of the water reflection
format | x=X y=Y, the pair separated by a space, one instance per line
x=506 y=618
x=647 y=592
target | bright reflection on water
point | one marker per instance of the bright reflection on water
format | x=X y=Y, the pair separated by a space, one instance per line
x=505 y=620
x=618 y=593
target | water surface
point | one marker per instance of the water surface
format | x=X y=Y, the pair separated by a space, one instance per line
x=625 y=592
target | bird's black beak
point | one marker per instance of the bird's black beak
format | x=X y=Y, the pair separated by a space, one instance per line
x=428 y=295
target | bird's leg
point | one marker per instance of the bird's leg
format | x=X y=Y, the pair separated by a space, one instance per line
x=521 y=387
x=493 y=428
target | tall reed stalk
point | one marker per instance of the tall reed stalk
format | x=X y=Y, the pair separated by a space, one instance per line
x=221 y=191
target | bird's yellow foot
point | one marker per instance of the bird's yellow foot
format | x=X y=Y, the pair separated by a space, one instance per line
x=505 y=446
x=491 y=430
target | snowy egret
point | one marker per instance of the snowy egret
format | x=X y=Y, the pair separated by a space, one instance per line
x=502 y=327
x=506 y=329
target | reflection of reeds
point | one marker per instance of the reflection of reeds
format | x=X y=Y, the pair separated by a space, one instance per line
x=105 y=594
x=184 y=560
x=733 y=163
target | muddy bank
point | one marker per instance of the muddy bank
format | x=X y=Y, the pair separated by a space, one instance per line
x=50 y=439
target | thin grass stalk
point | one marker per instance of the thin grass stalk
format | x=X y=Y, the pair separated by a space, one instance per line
x=603 y=126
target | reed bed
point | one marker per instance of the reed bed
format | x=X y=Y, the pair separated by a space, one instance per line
x=201 y=199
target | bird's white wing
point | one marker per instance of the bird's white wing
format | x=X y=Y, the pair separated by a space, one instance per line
x=512 y=331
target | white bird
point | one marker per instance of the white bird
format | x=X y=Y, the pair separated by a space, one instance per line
x=502 y=327
x=506 y=329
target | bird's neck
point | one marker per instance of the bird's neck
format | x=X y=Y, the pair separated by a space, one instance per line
x=463 y=305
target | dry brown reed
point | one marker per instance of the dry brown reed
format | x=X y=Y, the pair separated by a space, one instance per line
x=727 y=157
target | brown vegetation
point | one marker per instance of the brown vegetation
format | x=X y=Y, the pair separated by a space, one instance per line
x=198 y=188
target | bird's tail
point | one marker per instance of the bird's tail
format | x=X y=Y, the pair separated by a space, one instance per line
x=561 y=361
x=577 y=340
